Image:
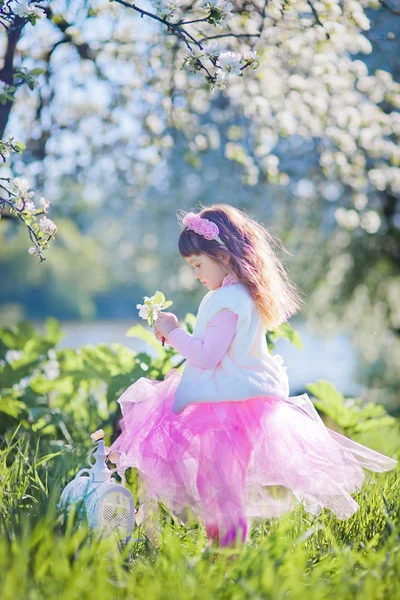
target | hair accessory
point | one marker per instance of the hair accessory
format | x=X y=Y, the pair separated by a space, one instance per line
x=203 y=227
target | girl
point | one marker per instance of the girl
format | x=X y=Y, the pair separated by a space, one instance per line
x=224 y=435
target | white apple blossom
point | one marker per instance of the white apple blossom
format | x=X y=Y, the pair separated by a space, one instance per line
x=25 y=10
x=143 y=310
x=250 y=55
x=44 y=204
x=223 y=8
x=164 y=8
x=153 y=306
x=47 y=225
x=221 y=79
x=212 y=50
x=231 y=62
x=21 y=188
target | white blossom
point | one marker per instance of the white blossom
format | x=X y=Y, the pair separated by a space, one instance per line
x=223 y=7
x=13 y=355
x=51 y=369
x=164 y=8
x=212 y=50
x=231 y=62
x=250 y=55
x=47 y=225
x=25 y=10
x=44 y=204
x=21 y=188
x=143 y=310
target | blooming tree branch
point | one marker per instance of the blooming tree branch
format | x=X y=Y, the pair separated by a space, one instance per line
x=14 y=15
x=219 y=12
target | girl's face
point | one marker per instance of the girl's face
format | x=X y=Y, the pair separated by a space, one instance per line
x=209 y=272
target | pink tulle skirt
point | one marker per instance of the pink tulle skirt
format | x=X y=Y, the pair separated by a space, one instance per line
x=235 y=461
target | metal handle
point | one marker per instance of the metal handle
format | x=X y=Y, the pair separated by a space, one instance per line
x=120 y=473
x=79 y=474
x=89 y=456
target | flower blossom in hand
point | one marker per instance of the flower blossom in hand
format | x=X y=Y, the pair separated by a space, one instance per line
x=152 y=307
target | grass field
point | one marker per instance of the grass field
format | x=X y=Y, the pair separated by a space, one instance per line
x=43 y=556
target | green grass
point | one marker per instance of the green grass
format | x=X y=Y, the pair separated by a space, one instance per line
x=44 y=556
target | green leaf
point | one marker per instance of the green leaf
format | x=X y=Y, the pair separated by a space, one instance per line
x=190 y=321
x=374 y=423
x=167 y=304
x=19 y=146
x=159 y=298
x=46 y=458
x=144 y=334
x=332 y=401
x=286 y=332
x=10 y=405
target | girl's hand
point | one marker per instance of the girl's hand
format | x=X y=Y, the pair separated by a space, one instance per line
x=158 y=335
x=165 y=323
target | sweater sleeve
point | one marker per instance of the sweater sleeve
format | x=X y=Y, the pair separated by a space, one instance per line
x=206 y=353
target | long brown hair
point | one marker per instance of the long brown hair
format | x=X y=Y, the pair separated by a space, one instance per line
x=253 y=259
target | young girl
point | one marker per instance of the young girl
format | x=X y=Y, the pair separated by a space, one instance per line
x=218 y=436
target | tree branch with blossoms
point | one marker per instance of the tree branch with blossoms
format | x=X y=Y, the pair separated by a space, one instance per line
x=225 y=63
x=20 y=203
x=14 y=15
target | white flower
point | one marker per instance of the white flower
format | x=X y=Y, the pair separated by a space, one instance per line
x=3 y=86
x=32 y=250
x=231 y=62
x=151 y=309
x=30 y=206
x=20 y=8
x=13 y=355
x=21 y=187
x=23 y=9
x=164 y=8
x=222 y=6
x=222 y=79
x=51 y=370
x=44 y=204
x=47 y=225
x=143 y=310
x=212 y=50
x=250 y=55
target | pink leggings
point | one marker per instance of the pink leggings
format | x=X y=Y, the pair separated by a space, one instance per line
x=221 y=482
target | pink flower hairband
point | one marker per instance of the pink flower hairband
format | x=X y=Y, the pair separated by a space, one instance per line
x=203 y=227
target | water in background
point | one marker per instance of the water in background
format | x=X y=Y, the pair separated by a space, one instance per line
x=332 y=358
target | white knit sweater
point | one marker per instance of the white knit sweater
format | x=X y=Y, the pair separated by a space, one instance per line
x=247 y=369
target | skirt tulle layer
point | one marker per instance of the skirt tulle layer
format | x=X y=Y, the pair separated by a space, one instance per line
x=233 y=461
